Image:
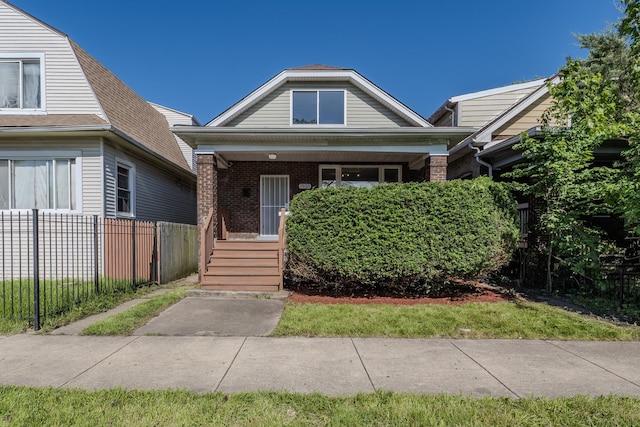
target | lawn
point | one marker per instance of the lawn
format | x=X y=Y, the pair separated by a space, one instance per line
x=56 y=407
x=515 y=320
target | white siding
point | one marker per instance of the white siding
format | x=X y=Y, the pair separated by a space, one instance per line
x=480 y=111
x=274 y=110
x=90 y=160
x=176 y=118
x=159 y=194
x=67 y=91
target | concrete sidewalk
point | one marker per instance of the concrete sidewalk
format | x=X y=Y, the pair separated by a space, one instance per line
x=332 y=366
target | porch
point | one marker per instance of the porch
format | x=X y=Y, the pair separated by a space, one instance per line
x=240 y=262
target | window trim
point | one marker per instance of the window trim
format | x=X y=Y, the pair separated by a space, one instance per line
x=18 y=56
x=338 y=169
x=317 y=90
x=132 y=190
x=49 y=155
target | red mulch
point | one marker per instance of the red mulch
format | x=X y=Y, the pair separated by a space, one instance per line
x=481 y=295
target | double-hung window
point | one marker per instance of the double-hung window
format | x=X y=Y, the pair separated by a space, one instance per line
x=38 y=183
x=125 y=189
x=20 y=84
x=317 y=107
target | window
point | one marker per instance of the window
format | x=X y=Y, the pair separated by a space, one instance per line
x=317 y=107
x=20 y=84
x=124 y=182
x=38 y=184
x=358 y=175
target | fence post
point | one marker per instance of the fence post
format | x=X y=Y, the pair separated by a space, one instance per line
x=36 y=271
x=133 y=254
x=155 y=256
x=96 y=263
x=621 y=301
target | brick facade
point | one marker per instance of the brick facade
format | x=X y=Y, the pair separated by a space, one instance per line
x=464 y=167
x=438 y=168
x=207 y=187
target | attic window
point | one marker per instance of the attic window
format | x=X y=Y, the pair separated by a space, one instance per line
x=20 y=84
x=317 y=107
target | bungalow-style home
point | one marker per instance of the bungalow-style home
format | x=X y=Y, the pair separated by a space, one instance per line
x=498 y=114
x=76 y=139
x=308 y=127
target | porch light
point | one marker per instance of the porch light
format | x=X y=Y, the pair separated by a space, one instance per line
x=272 y=156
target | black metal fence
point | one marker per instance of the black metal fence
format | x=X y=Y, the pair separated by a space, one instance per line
x=51 y=262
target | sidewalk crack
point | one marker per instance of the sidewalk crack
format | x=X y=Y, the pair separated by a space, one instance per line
x=486 y=370
x=593 y=363
x=363 y=366
x=99 y=362
x=235 y=356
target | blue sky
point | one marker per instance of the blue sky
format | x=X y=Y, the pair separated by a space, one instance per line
x=202 y=56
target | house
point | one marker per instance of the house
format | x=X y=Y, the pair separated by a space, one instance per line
x=89 y=153
x=498 y=114
x=75 y=139
x=308 y=127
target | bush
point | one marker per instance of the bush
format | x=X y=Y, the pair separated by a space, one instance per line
x=399 y=238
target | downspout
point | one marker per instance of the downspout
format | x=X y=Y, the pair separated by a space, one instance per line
x=453 y=114
x=482 y=162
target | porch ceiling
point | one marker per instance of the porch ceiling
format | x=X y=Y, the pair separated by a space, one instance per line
x=415 y=160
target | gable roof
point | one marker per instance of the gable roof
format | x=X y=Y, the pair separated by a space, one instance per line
x=319 y=73
x=123 y=109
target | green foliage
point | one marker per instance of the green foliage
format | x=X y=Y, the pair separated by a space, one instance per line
x=27 y=406
x=399 y=238
x=508 y=320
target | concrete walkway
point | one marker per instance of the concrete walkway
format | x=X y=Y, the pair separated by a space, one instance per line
x=332 y=366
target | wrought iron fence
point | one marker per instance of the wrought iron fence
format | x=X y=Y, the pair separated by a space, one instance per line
x=51 y=262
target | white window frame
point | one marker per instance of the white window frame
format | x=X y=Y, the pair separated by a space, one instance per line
x=344 y=96
x=20 y=57
x=121 y=163
x=46 y=156
x=338 y=169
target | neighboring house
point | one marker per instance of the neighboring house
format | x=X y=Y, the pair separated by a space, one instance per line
x=85 y=150
x=308 y=127
x=500 y=114
x=75 y=139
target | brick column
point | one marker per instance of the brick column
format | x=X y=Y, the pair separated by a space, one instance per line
x=207 y=191
x=437 y=168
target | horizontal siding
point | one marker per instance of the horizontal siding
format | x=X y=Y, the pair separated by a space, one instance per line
x=176 y=118
x=526 y=120
x=67 y=91
x=480 y=111
x=159 y=194
x=91 y=165
x=274 y=110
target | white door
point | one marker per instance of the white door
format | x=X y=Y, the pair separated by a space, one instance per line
x=274 y=195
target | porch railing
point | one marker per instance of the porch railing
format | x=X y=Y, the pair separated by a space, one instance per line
x=206 y=242
x=223 y=221
x=281 y=245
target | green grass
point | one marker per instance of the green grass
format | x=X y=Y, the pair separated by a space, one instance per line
x=21 y=406
x=475 y=320
x=128 y=321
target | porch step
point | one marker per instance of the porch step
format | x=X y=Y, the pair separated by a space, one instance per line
x=243 y=266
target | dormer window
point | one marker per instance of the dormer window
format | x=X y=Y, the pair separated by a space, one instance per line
x=317 y=107
x=20 y=84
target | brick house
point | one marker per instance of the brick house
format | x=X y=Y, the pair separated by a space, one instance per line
x=308 y=127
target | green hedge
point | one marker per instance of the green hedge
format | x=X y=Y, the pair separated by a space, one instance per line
x=399 y=238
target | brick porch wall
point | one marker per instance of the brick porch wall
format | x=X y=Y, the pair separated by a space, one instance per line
x=438 y=168
x=207 y=187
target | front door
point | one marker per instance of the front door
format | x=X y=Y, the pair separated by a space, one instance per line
x=274 y=195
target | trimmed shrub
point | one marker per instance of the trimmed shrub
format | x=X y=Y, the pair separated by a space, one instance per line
x=399 y=238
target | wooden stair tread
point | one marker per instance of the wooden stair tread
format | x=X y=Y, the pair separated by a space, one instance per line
x=246 y=245
x=242 y=262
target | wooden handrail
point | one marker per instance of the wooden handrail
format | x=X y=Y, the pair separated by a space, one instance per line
x=206 y=242
x=281 y=246
x=223 y=220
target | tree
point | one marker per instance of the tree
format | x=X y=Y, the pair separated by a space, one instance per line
x=594 y=102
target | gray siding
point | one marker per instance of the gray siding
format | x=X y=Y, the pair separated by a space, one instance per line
x=67 y=91
x=480 y=111
x=90 y=159
x=274 y=110
x=159 y=195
